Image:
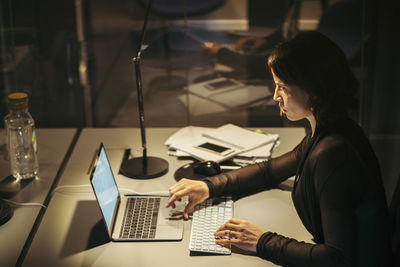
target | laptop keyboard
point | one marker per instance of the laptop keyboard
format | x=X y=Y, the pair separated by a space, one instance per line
x=140 y=218
x=208 y=216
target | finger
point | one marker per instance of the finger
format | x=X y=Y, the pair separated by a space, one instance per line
x=228 y=243
x=176 y=187
x=234 y=234
x=223 y=242
x=170 y=204
x=227 y=225
x=175 y=195
x=178 y=199
x=227 y=234
x=189 y=208
x=171 y=201
x=182 y=183
x=223 y=227
x=235 y=221
x=230 y=226
x=186 y=213
x=222 y=234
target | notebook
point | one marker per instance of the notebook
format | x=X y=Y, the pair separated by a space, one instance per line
x=132 y=218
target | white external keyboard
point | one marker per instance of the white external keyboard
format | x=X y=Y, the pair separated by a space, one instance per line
x=208 y=216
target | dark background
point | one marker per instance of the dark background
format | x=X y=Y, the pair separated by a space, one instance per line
x=41 y=51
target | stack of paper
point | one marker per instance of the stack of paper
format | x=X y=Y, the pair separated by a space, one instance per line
x=244 y=146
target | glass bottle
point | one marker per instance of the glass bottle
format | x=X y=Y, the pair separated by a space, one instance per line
x=21 y=138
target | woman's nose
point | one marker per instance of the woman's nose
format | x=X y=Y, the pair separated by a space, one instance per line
x=276 y=96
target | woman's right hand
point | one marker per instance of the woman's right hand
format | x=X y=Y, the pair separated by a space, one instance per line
x=197 y=191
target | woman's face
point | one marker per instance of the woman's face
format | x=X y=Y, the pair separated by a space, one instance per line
x=292 y=100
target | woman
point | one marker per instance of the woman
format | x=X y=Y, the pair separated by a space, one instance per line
x=337 y=192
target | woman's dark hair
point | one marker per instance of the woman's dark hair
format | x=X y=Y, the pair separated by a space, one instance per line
x=318 y=66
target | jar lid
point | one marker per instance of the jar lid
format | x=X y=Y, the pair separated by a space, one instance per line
x=18 y=100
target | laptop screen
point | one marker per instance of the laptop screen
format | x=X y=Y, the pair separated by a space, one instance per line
x=104 y=186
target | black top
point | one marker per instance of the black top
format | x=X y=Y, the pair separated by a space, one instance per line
x=338 y=195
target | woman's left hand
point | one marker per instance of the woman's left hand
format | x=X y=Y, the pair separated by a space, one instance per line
x=239 y=233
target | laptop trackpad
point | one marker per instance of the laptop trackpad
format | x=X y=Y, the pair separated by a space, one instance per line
x=170 y=221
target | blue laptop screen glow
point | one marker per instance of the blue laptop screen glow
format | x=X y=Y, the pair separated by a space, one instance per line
x=105 y=187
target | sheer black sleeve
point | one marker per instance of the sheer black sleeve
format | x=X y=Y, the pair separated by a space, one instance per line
x=351 y=213
x=257 y=176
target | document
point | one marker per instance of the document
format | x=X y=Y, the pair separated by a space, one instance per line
x=239 y=137
x=223 y=143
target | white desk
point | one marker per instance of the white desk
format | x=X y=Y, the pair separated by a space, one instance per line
x=68 y=232
x=52 y=147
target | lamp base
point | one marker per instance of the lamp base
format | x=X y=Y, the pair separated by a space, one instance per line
x=152 y=168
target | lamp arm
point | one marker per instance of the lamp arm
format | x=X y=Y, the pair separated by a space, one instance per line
x=143 y=167
x=136 y=61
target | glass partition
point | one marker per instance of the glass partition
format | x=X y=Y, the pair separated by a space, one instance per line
x=39 y=55
x=74 y=58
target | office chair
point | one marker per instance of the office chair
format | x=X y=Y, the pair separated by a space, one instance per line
x=394 y=215
x=176 y=8
x=173 y=9
x=342 y=23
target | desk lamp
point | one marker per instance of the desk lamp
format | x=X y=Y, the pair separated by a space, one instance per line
x=143 y=167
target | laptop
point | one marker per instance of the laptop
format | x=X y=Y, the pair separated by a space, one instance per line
x=132 y=218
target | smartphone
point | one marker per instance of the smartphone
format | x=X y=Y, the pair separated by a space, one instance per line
x=222 y=84
x=217 y=149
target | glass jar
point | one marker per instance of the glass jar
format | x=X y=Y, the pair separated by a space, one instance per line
x=21 y=138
